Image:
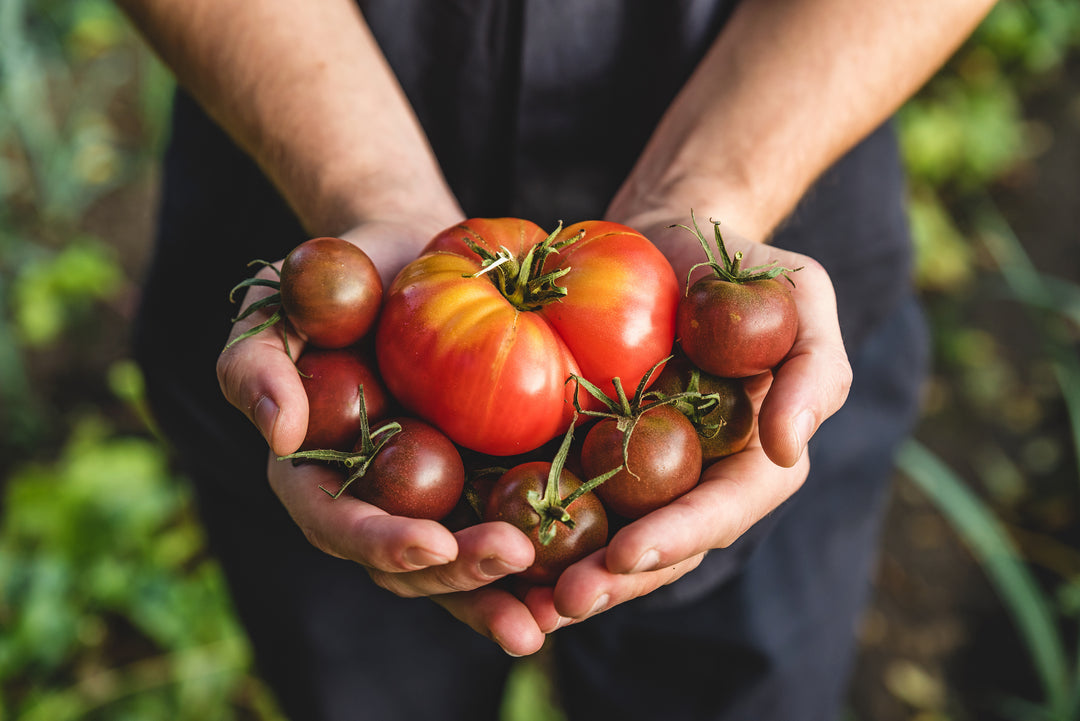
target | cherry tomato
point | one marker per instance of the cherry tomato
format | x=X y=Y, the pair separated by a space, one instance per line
x=330 y=292
x=740 y=329
x=724 y=426
x=332 y=379
x=480 y=334
x=737 y=322
x=417 y=473
x=663 y=459
x=509 y=500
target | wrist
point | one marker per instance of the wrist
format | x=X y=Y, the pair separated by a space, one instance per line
x=732 y=201
x=337 y=203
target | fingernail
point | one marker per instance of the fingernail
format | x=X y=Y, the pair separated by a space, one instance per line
x=648 y=561
x=563 y=621
x=600 y=604
x=803 y=426
x=266 y=413
x=497 y=567
x=422 y=558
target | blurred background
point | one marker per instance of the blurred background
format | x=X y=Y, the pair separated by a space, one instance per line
x=111 y=608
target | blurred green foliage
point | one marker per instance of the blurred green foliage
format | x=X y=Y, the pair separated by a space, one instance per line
x=100 y=561
x=110 y=607
x=1005 y=344
x=966 y=130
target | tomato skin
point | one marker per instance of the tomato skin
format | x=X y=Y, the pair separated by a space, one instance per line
x=332 y=380
x=418 y=473
x=735 y=330
x=664 y=453
x=330 y=292
x=734 y=414
x=508 y=501
x=493 y=376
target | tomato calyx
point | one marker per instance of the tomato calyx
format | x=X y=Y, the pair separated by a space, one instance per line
x=627 y=411
x=549 y=506
x=271 y=301
x=356 y=461
x=729 y=267
x=696 y=406
x=522 y=282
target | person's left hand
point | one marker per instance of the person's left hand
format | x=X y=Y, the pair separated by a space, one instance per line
x=735 y=492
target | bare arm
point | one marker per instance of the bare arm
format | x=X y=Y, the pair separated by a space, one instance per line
x=787 y=88
x=305 y=90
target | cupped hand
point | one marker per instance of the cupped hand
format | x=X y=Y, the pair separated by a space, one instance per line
x=735 y=492
x=413 y=557
x=409 y=557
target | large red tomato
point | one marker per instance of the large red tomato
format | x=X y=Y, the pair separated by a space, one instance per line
x=480 y=334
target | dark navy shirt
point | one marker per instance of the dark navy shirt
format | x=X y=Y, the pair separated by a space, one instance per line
x=534 y=108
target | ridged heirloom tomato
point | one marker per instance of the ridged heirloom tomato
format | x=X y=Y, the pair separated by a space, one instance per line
x=480 y=334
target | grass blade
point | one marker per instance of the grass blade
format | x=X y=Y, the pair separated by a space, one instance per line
x=980 y=530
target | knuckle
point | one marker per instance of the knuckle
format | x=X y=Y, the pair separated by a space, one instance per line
x=453 y=577
x=842 y=374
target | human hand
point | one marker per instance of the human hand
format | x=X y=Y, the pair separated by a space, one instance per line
x=409 y=557
x=735 y=492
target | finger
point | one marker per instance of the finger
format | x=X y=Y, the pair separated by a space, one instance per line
x=734 y=494
x=258 y=377
x=588 y=588
x=486 y=553
x=813 y=381
x=498 y=615
x=347 y=527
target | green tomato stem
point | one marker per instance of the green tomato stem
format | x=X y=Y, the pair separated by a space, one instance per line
x=520 y=281
x=371 y=442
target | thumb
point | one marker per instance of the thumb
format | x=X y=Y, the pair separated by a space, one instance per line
x=813 y=382
x=260 y=378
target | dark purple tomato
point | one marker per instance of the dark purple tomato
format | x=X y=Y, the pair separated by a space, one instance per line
x=735 y=330
x=663 y=460
x=509 y=501
x=418 y=473
x=332 y=379
x=330 y=292
x=724 y=428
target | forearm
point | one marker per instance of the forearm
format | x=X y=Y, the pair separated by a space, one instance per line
x=787 y=88
x=305 y=90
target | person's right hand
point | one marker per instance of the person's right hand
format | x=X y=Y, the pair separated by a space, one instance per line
x=407 y=556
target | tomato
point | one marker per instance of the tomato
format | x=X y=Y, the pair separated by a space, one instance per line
x=725 y=424
x=663 y=459
x=406 y=467
x=481 y=332
x=509 y=500
x=327 y=289
x=737 y=329
x=330 y=292
x=737 y=322
x=417 y=473
x=332 y=379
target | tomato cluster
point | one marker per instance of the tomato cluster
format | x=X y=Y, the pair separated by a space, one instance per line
x=444 y=397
